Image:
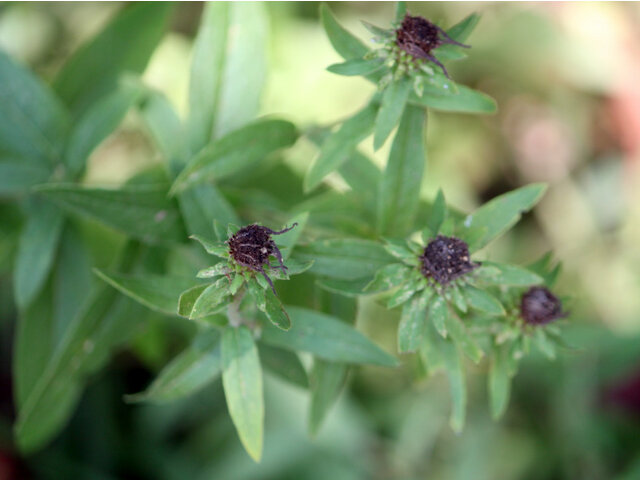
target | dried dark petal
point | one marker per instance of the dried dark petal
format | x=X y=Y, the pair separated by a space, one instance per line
x=418 y=37
x=539 y=306
x=251 y=247
x=445 y=259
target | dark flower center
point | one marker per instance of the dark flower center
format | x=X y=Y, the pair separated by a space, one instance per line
x=539 y=306
x=445 y=259
x=251 y=247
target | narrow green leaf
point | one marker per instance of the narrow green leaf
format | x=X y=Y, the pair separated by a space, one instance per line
x=228 y=69
x=157 y=292
x=461 y=30
x=411 y=329
x=97 y=122
x=188 y=299
x=218 y=249
x=438 y=315
x=72 y=280
x=338 y=147
x=392 y=105
x=400 y=186
x=326 y=337
x=215 y=271
x=438 y=214
x=242 y=381
x=143 y=212
x=33 y=124
x=210 y=299
x=36 y=250
x=347 y=45
x=347 y=288
x=462 y=338
x=492 y=273
x=499 y=381
x=356 y=66
x=503 y=212
x=203 y=205
x=165 y=128
x=283 y=363
x=18 y=174
x=344 y=259
x=125 y=45
x=412 y=284
x=544 y=344
x=235 y=152
x=388 y=277
x=465 y=100
x=482 y=301
x=275 y=312
x=401 y=11
x=455 y=371
x=327 y=381
x=191 y=370
x=400 y=250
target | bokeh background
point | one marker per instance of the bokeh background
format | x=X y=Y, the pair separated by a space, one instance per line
x=566 y=77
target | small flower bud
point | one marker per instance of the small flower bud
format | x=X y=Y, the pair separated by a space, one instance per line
x=539 y=306
x=445 y=259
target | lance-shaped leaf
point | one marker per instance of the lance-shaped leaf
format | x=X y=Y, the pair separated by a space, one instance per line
x=157 y=292
x=388 y=277
x=236 y=151
x=499 y=381
x=411 y=330
x=392 y=105
x=453 y=365
x=347 y=45
x=501 y=213
x=438 y=215
x=207 y=301
x=462 y=338
x=483 y=301
x=228 y=69
x=464 y=100
x=459 y=32
x=33 y=124
x=339 y=145
x=327 y=381
x=36 y=250
x=275 y=312
x=492 y=273
x=125 y=45
x=356 y=66
x=191 y=370
x=438 y=315
x=142 y=212
x=242 y=381
x=400 y=185
x=283 y=363
x=98 y=121
x=326 y=337
x=344 y=259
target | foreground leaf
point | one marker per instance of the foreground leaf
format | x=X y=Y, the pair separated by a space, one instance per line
x=499 y=381
x=482 y=301
x=402 y=179
x=492 y=273
x=465 y=100
x=356 y=66
x=392 y=105
x=141 y=212
x=242 y=380
x=411 y=330
x=501 y=213
x=347 y=45
x=337 y=148
x=236 y=151
x=327 y=337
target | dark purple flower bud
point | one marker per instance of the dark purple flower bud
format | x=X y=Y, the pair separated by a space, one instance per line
x=445 y=259
x=418 y=37
x=251 y=247
x=539 y=306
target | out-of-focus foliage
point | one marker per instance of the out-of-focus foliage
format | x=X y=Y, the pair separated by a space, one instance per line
x=564 y=78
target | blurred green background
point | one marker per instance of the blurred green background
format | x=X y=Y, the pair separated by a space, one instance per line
x=566 y=78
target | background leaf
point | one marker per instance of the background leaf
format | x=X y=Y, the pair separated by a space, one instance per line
x=402 y=178
x=228 y=70
x=327 y=381
x=188 y=372
x=283 y=363
x=37 y=249
x=242 y=380
x=125 y=45
x=143 y=212
x=33 y=123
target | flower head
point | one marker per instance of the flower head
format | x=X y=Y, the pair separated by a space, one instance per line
x=539 y=306
x=445 y=259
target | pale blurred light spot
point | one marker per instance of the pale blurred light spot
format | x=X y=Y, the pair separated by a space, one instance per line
x=25 y=31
